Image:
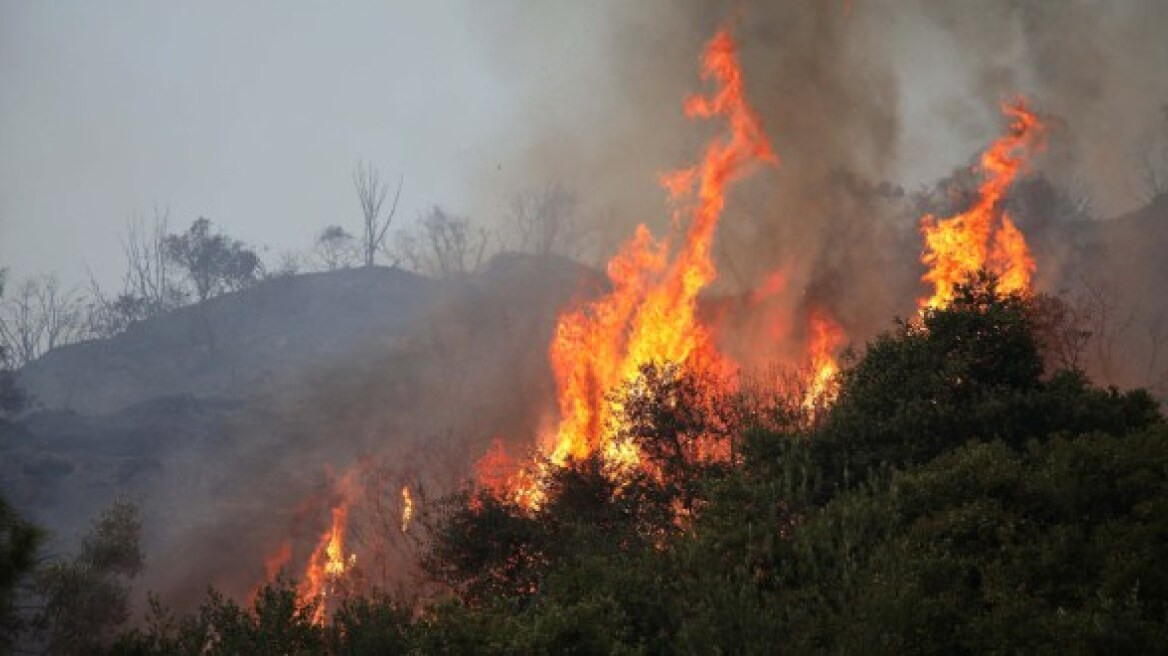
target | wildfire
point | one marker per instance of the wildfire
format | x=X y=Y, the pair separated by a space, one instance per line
x=505 y=477
x=649 y=317
x=774 y=284
x=651 y=313
x=328 y=562
x=984 y=237
x=826 y=337
x=407 y=508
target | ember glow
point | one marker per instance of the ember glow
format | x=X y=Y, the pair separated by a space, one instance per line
x=985 y=237
x=407 y=508
x=651 y=314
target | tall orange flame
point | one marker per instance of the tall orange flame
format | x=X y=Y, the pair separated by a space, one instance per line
x=328 y=562
x=651 y=313
x=984 y=237
x=826 y=337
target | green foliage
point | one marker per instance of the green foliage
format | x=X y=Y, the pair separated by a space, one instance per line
x=84 y=599
x=1057 y=547
x=370 y=625
x=673 y=416
x=488 y=549
x=969 y=371
x=20 y=542
x=277 y=623
x=957 y=498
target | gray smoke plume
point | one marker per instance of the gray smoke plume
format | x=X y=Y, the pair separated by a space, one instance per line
x=865 y=101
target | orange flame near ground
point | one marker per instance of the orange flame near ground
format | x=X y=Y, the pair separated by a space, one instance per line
x=984 y=237
x=650 y=316
x=407 y=508
x=826 y=338
x=651 y=313
x=328 y=562
x=503 y=476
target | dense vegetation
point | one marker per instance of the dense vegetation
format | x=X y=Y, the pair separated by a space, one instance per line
x=960 y=496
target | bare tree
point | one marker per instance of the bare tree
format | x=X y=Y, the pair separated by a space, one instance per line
x=1155 y=330
x=284 y=264
x=38 y=317
x=1152 y=165
x=1109 y=319
x=1153 y=172
x=60 y=311
x=408 y=249
x=151 y=284
x=106 y=316
x=371 y=193
x=151 y=275
x=442 y=245
x=335 y=248
x=546 y=221
x=1062 y=328
x=21 y=326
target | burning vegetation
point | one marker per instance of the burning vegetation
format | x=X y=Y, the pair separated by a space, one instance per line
x=648 y=405
x=652 y=314
x=984 y=238
x=734 y=466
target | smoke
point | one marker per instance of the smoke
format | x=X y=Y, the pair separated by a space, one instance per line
x=865 y=101
x=416 y=405
x=1096 y=66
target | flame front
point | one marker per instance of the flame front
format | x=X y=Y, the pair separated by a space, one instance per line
x=651 y=313
x=328 y=562
x=984 y=237
x=826 y=337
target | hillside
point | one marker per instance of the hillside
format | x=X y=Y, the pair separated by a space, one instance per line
x=233 y=343
x=223 y=417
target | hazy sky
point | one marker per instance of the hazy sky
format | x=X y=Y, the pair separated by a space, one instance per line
x=252 y=114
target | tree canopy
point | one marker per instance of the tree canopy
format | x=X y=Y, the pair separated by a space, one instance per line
x=958 y=497
x=212 y=262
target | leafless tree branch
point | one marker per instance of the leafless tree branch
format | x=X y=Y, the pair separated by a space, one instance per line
x=371 y=193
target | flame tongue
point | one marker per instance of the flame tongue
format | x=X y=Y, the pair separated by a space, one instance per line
x=328 y=562
x=651 y=313
x=826 y=337
x=407 y=514
x=984 y=237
